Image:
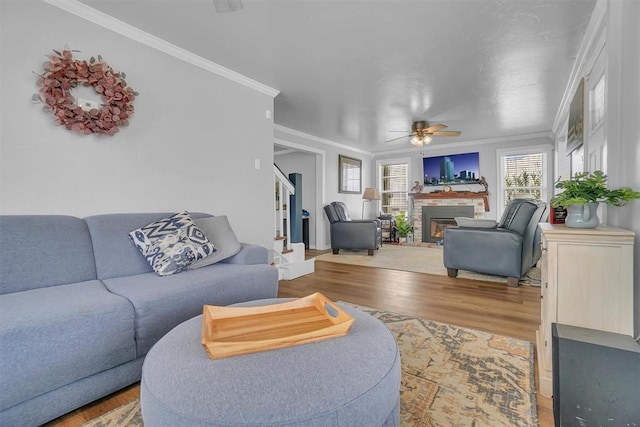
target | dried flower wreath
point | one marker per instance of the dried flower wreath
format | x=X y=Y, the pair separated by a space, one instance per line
x=63 y=73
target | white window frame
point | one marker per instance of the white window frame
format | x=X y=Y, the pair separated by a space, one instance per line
x=547 y=171
x=384 y=162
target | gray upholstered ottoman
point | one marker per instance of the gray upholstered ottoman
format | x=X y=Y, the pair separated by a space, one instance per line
x=348 y=381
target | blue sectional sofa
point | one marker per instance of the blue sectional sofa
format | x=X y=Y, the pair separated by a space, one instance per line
x=80 y=307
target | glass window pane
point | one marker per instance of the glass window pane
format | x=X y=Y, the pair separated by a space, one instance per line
x=523 y=176
x=394 y=188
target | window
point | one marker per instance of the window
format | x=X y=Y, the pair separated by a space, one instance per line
x=395 y=184
x=522 y=173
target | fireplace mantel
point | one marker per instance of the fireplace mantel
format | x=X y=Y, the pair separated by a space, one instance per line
x=454 y=195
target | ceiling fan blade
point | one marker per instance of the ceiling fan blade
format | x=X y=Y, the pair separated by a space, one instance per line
x=395 y=139
x=435 y=128
x=447 y=133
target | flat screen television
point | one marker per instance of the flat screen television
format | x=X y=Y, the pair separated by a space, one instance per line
x=451 y=169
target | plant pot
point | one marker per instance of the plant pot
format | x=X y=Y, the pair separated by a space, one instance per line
x=582 y=216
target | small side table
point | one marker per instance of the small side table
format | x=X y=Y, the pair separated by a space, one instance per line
x=388 y=228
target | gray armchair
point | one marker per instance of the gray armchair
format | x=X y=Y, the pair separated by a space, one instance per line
x=509 y=249
x=347 y=233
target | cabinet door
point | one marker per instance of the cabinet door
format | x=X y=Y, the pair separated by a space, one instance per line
x=593 y=287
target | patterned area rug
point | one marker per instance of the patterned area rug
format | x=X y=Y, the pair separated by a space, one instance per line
x=418 y=259
x=451 y=376
x=127 y=415
x=454 y=376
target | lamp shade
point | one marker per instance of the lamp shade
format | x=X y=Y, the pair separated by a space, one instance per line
x=371 y=194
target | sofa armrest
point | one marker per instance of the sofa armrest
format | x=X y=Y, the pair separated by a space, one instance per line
x=249 y=254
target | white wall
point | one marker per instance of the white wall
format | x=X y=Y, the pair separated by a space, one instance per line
x=304 y=164
x=623 y=138
x=188 y=145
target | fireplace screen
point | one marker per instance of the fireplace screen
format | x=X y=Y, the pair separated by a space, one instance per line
x=436 y=218
x=438 y=225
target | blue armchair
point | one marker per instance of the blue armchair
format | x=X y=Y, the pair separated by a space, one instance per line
x=509 y=249
x=347 y=233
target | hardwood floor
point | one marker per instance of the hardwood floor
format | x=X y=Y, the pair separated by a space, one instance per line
x=487 y=306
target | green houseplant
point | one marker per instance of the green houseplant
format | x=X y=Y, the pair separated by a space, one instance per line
x=581 y=196
x=403 y=227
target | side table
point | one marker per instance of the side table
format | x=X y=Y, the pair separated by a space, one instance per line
x=388 y=228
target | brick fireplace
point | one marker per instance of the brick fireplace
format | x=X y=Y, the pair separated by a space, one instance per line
x=478 y=202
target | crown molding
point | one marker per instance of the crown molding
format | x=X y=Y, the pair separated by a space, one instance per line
x=593 y=39
x=109 y=22
x=314 y=138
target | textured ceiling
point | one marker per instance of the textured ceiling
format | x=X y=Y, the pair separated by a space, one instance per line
x=351 y=71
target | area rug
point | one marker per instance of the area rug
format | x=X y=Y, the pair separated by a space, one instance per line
x=451 y=376
x=416 y=259
x=454 y=376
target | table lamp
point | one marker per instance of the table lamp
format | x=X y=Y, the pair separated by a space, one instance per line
x=369 y=195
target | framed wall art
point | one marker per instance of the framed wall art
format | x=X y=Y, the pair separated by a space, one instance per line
x=575 y=131
x=461 y=168
x=349 y=175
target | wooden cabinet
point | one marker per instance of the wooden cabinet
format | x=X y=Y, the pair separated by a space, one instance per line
x=587 y=281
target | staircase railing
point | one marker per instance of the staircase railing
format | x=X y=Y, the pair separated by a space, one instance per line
x=284 y=189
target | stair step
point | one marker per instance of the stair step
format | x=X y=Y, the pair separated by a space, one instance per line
x=287 y=251
x=279 y=238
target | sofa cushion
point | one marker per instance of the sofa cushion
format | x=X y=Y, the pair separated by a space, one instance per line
x=219 y=232
x=59 y=246
x=172 y=244
x=115 y=255
x=161 y=303
x=53 y=336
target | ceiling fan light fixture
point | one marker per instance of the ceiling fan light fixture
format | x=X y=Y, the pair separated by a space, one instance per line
x=420 y=140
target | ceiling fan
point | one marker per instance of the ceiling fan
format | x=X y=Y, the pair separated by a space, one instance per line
x=421 y=133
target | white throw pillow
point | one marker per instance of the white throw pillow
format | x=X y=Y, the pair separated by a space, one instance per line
x=219 y=232
x=475 y=223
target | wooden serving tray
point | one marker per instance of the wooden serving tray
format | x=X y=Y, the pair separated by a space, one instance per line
x=230 y=331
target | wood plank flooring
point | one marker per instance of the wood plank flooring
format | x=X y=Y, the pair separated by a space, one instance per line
x=487 y=306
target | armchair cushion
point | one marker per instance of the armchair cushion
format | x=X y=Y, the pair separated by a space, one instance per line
x=517 y=215
x=476 y=223
x=341 y=211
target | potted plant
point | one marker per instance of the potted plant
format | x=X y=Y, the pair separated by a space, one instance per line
x=403 y=226
x=583 y=193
